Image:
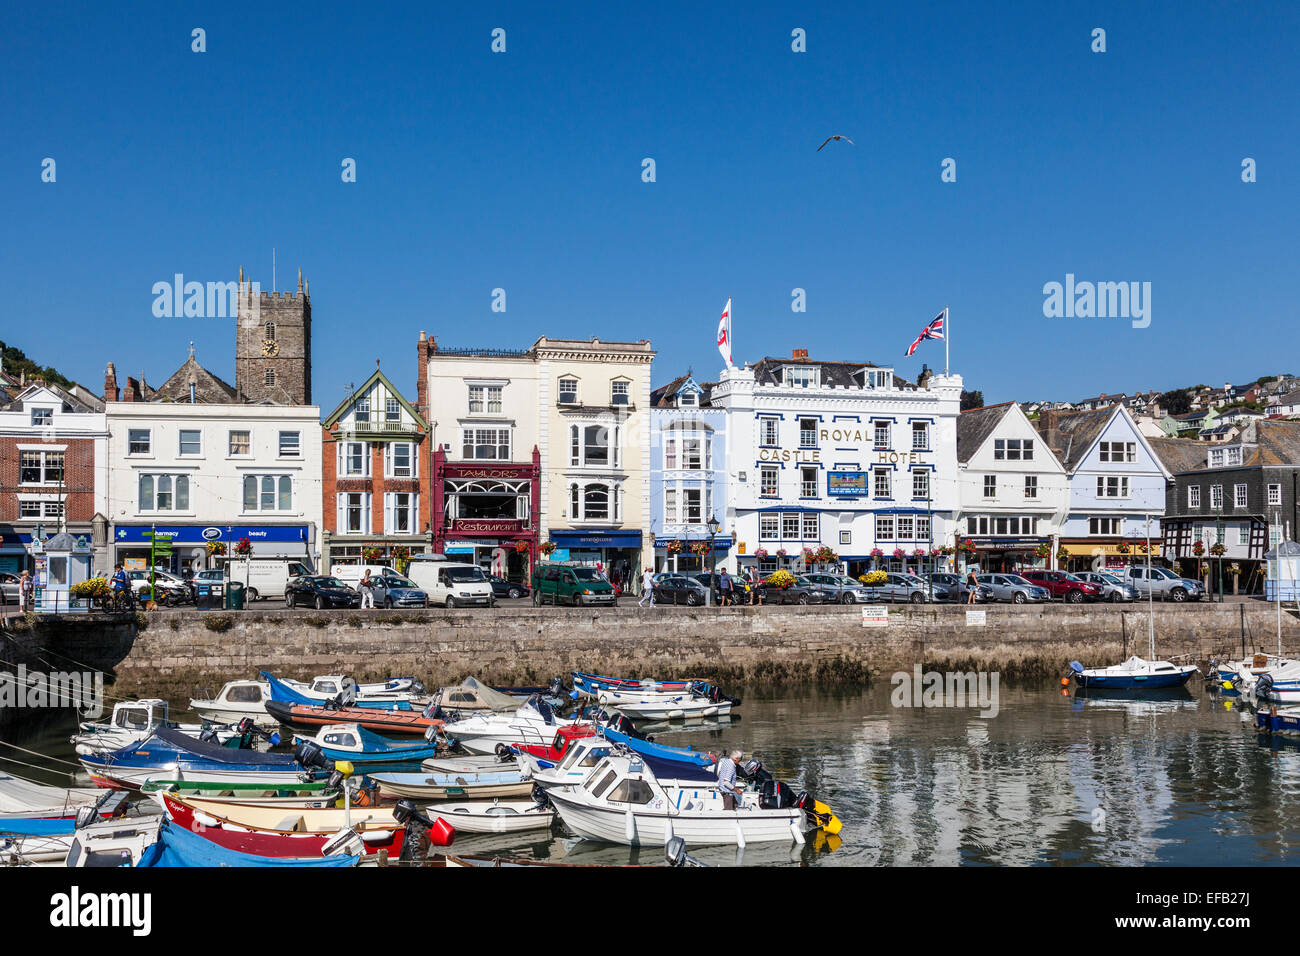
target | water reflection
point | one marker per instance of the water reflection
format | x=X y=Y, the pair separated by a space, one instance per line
x=1053 y=779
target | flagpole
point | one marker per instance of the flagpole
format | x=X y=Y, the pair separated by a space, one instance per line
x=947 y=335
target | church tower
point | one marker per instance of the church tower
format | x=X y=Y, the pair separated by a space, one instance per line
x=273 y=345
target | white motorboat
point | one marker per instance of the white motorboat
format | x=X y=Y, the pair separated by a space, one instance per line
x=1275 y=684
x=444 y=786
x=116 y=842
x=462 y=765
x=331 y=686
x=237 y=700
x=499 y=816
x=533 y=723
x=580 y=758
x=132 y=721
x=659 y=706
x=622 y=802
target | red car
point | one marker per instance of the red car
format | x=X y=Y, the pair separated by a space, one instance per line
x=1064 y=585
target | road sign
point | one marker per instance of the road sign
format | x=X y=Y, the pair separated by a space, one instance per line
x=875 y=615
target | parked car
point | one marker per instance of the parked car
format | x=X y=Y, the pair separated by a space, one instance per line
x=739 y=586
x=1112 y=588
x=679 y=589
x=847 y=590
x=1163 y=584
x=1068 y=587
x=170 y=587
x=952 y=587
x=802 y=591
x=1014 y=588
x=8 y=588
x=393 y=590
x=563 y=584
x=507 y=589
x=320 y=592
x=901 y=587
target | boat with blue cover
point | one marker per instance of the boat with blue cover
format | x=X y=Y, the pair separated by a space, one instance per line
x=674 y=763
x=1135 y=673
x=285 y=693
x=177 y=846
x=369 y=751
x=171 y=755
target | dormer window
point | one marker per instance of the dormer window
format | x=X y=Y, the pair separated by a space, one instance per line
x=1234 y=455
x=801 y=377
x=685 y=399
x=878 y=378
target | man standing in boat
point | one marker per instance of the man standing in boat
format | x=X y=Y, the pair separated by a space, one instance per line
x=727 y=779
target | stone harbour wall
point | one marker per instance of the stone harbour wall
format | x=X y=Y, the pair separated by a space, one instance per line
x=186 y=653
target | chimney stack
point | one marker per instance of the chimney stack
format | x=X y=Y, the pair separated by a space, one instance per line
x=110 y=383
x=799 y=354
x=132 y=393
x=422 y=376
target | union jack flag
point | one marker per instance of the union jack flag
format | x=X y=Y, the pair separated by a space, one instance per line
x=932 y=331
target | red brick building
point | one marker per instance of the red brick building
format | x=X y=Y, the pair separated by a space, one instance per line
x=375 y=472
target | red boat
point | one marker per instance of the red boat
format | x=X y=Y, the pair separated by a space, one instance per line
x=313 y=717
x=549 y=755
x=268 y=842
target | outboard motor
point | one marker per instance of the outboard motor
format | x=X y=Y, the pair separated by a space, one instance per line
x=557 y=687
x=421 y=831
x=755 y=771
x=417 y=689
x=208 y=734
x=675 y=853
x=1263 y=686
x=775 y=795
x=539 y=796
x=620 y=723
x=505 y=753
x=310 y=755
x=86 y=816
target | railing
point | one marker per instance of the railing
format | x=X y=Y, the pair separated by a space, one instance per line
x=482 y=353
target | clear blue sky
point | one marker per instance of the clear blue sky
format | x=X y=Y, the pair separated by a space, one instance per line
x=523 y=171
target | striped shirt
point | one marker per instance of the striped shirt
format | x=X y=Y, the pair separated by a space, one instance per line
x=727 y=774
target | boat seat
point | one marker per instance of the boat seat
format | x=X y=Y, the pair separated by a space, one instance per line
x=293 y=823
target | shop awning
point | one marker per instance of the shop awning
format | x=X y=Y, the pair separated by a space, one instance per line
x=597 y=539
x=1109 y=551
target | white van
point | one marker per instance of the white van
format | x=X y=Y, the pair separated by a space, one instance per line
x=449 y=583
x=264 y=578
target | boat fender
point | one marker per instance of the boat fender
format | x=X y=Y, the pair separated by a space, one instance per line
x=629 y=826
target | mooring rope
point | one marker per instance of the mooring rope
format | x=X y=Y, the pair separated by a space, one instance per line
x=37 y=753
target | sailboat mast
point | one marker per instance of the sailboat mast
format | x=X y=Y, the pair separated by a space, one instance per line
x=1277 y=585
x=1151 y=612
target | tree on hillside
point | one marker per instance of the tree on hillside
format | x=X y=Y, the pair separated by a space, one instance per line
x=972 y=400
x=17 y=364
x=1177 y=402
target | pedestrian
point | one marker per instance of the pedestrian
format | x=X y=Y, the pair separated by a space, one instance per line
x=724 y=588
x=972 y=585
x=367 y=590
x=26 y=588
x=119 y=585
x=647 y=588
x=727 y=779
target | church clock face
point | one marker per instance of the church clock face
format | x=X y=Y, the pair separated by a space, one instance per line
x=270 y=348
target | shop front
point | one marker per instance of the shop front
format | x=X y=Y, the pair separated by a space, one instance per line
x=692 y=552
x=1010 y=555
x=1113 y=554
x=190 y=544
x=616 y=553
x=483 y=514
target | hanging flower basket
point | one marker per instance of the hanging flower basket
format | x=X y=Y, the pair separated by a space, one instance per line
x=877 y=553
x=547 y=547
x=700 y=547
x=522 y=547
x=1123 y=547
x=826 y=555
x=243 y=547
x=780 y=552
x=216 y=548
x=1198 y=548
x=1062 y=554
x=872 y=578
x=1218 y=549
x=401 y=558
x=936 y=552
x=1143 y=547
x=947 y=549
x=674 y=547
x=1043 y=550
x=760 y=552
x=808 y=556
x=372 y=555
x=919 y=553
x=1234 y=568
x=780 y=579
x=900 y=553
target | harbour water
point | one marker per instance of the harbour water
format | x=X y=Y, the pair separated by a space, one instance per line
x=1052 y=779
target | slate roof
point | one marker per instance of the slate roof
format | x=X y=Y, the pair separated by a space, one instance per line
x=1278 y=443
x=208 y=388
x=1179 y=454
x=975 y=425
x=767 y=371
x=1071 y=434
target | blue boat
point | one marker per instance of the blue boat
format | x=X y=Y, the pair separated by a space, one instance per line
x=1134 y=674
x=171 y=755
x=1273 y=721
x=177 y=846
x=369 y=751
x=667 y=763
x=283 y=693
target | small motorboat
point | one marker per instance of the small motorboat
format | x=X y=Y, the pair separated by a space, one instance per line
x=1134 y=673
x=1285 y=721
x=471 y=696
x=316 y=794
x=25 y=798
x=314 y=716
x=238 y=699
x=641 y=706
x=590 y=685
x=332 y=685
x=176 y=846
x=296 y=692
x=369 y=751
x=168 y=754
x=461 y=764
x=1278 y=684
x=548 y=755
x=532 y=723
x=625 y=803
x=452 y=786
x=499 y=816
x=77 y=842
x=134 y=720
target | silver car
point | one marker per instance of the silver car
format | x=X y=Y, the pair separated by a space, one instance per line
x=952 y=587
x=902 y=587
x=1014 y=588
x=845 y=588
x=1163 y=584
x=1112 y=588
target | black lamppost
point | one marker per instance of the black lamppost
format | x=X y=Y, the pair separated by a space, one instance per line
x=713 y=555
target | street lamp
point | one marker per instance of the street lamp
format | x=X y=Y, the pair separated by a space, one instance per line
x=713 y=555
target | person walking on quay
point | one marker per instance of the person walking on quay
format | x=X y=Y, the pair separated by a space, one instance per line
x=727 y=779
x=26 y=588
x=724 y=588
x=972 y=584
x=647 y=588
x=367 y=590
